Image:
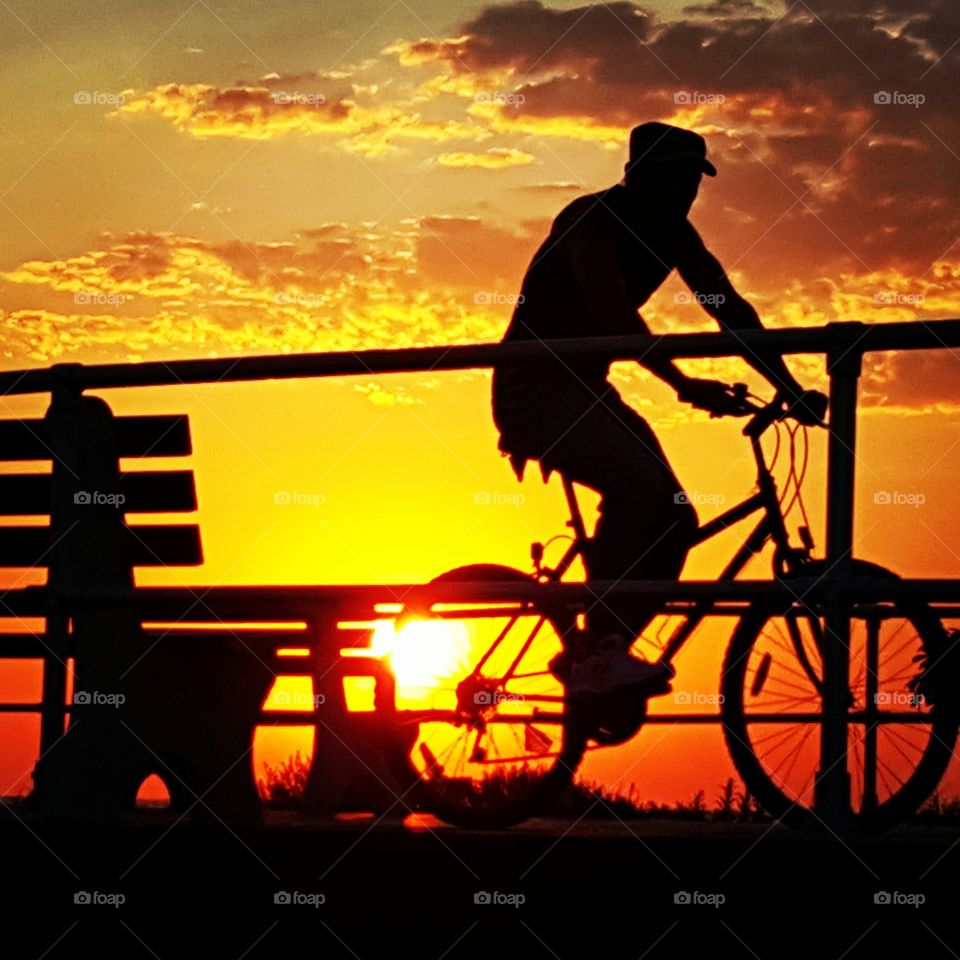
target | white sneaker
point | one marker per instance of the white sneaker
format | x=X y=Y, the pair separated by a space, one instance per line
x=614 y=669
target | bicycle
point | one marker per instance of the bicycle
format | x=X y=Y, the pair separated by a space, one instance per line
x=501 y=742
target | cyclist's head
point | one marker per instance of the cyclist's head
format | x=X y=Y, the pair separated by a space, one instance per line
x=665 y=168
x=664 y=189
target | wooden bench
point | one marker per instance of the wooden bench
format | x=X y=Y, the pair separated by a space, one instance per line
x=174 y=701
x=137 y=706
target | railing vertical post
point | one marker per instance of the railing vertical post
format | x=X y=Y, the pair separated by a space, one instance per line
x=64 y=399
x=832 y=798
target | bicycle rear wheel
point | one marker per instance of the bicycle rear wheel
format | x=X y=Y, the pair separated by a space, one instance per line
x=898 y=745
x=495 y=742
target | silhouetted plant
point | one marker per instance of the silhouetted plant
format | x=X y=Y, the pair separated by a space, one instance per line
x=283 y=786
x=726 y=802
x=938 y=810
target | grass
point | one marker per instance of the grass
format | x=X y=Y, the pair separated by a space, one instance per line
x=938 y=810
x=282 y=786
x=596 y=802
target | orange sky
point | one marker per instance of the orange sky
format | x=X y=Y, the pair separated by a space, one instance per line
x=367 y=175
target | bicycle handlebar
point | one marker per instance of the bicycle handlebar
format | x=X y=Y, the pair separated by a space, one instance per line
x=762 y=415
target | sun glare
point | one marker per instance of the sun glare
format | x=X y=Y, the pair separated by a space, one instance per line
x=424 y=654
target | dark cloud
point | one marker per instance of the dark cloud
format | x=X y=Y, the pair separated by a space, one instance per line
x=834 y=127
x=913 y=378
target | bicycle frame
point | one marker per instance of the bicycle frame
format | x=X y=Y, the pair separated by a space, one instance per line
x=771 y=527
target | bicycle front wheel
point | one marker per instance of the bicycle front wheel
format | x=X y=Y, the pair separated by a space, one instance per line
x=898 y=745
x=494 y=740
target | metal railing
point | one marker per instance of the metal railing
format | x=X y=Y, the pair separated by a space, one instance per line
x=840 y=339
x=843 y=344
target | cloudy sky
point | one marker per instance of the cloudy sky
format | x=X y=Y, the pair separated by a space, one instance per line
x=204 y=178
x=227 y=177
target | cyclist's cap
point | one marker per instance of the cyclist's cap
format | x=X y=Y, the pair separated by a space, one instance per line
x=662 y=143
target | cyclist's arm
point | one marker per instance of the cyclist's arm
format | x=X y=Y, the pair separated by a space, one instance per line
x=611 y=311
x=702 y=272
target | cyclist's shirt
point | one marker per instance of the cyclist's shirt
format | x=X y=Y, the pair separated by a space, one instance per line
x=599 y=264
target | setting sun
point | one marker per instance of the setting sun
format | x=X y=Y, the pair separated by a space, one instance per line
x=424 y=654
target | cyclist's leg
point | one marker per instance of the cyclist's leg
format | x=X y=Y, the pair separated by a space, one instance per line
x=645 y=528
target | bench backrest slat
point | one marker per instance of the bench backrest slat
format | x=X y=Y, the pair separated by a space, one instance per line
x=149 y=546
x=147 y=436
x=148 y=491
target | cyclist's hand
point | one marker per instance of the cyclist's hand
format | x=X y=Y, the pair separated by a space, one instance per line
x=718 y=399
x=809 y=407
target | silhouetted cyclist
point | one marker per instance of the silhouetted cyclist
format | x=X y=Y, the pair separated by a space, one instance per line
x=605 y=256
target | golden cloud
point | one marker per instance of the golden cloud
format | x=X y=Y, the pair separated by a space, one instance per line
x=333 y=288
x=413 y=53
x=495 y=159
x=265 y=112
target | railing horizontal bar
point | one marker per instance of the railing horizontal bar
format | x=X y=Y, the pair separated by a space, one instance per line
x=320 y=605
x=308 y=718
x=860 y=337
x=914 y=719
x=416 y=595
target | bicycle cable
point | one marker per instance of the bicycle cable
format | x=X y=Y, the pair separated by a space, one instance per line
x=791 y=474
x=796 y=476
x=803 y=474
x=553 y=539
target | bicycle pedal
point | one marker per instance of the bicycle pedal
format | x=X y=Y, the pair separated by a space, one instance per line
x=619 y=723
